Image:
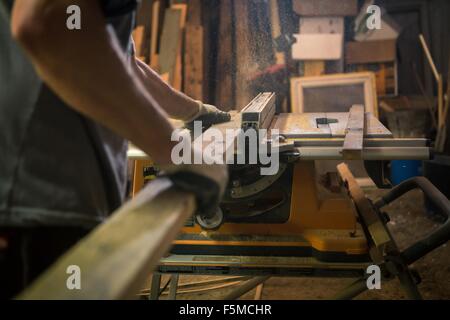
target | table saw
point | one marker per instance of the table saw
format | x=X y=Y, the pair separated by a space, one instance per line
x=299 y=221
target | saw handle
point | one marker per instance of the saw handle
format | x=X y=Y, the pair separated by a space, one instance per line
x=439 y=236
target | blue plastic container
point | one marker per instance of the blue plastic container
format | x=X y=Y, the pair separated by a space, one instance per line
x=402 y=170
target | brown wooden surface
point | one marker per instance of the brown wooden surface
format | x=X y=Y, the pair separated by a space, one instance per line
x=118 y=256
x=138 y=37
x=325 y=7
x=170 y=41
x=244 y=61
x=154 y=34
x=225 y=88
x=193 y=62
x=370 y=51
x=178 y=74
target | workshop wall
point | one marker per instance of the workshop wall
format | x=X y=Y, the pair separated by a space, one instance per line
x=227 y=51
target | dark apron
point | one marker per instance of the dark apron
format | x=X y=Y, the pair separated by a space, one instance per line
x=57 y=168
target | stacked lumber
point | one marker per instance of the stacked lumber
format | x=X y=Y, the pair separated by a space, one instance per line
x=169 y=38
x=220 y=51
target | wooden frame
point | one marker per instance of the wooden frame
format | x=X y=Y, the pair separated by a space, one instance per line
x=298 y=85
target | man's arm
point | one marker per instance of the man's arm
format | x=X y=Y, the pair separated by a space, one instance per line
x=87 y=69
x=178 y=105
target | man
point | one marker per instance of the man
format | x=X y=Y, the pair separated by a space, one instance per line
x=69 y=100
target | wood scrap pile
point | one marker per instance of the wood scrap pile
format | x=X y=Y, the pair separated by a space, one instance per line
x=221 y=51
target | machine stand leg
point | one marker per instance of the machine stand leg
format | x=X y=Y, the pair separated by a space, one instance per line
x=156 y=286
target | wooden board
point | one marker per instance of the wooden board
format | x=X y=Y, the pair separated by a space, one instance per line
x=170 y=41
x=370 y=51
x=245 y=65
x=118 y=256
x=194 y=14
x=138 y=37
x=225 y=88
x=193 y=60
x=325 y=7
x=178 y=75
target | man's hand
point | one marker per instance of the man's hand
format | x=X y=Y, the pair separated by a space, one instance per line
x=208 y=115
x=207 y=182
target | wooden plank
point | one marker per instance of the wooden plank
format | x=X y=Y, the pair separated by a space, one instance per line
x=354 y=138
x=170 y=41
x=194 y=15
x=325 y=7
x=138 y=37
x=276 y=30
x=154 y=34
x=193 y=59
x=118 y=256
x=370 y=51
x=225 y=90
x=245 y=65
x=178 y=75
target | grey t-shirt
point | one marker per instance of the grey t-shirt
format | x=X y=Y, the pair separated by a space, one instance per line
x=57 y=168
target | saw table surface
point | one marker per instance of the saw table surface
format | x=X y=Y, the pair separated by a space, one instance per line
x=307 y=125
x=320 y=136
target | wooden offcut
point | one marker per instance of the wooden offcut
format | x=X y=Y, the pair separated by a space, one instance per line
x=178 y=74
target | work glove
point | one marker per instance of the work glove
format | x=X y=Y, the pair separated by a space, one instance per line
x=208 y=115
x=206 y=181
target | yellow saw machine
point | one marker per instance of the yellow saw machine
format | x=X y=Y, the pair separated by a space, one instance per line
x=301 y=220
